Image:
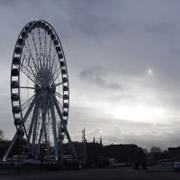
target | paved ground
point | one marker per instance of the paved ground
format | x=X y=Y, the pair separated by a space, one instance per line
x=122 y=173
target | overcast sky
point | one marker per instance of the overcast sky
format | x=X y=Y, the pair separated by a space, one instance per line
x=123 y=60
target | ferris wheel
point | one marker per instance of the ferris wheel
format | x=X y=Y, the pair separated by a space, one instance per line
x=40 y=90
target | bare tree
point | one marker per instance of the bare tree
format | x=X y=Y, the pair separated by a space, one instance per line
x=1 y=135
x=155 y=149
x=145 y=151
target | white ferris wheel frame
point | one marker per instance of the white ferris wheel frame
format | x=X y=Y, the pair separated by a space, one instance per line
x=45 y=94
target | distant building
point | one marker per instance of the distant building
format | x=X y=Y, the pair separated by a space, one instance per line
x=96 y=152
x=174 y=152
x=124 y=152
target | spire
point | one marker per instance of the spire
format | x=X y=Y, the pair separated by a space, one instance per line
x=101 y=141
x=83 y=135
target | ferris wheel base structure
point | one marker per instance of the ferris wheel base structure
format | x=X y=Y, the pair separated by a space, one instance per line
x=40 y=91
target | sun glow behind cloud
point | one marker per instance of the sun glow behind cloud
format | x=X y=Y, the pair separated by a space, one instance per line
x=150 y=72
x=131 y=112
x=139 y=113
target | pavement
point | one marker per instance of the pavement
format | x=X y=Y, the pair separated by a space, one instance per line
x=120 y=173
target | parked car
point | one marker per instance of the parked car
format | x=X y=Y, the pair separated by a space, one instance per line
x=167 y=162
x=177 y=166
x=31 y=162
x=109 y=162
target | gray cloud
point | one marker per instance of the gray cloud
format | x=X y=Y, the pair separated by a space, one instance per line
x=175 y=51
x=97 y=19
x=160 y=27
x=10 y=3
x=95 y=75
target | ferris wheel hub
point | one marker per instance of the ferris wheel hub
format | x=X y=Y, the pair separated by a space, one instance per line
x=53 y=88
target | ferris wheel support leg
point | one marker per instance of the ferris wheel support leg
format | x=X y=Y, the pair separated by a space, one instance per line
x=44 y=126
x=10 y=147
x=46 y=139
x=34 y=131
x=65 y=129
x=54 y=128
x=34 y=118
x=39 y=142
x=41 y=133
x=34 y=104
x=25 y=118
x=15 y=136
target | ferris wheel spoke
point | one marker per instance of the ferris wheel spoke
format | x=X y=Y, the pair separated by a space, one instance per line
x=31 y=55
x=26 y=103
x=30 y=100
x=59 y=101
x=35 y=46
x=30 y=69
x=59 y=95
x=40 y=48
x=26 y=72
x=52 y=62
x=55 y=71
x=58 y=84
x=29 y=109
x=49 y=53
x=45 y=50
x=58 y=110
x=32 y=104
x=59 y=104
x=33 y=88
x=50 y=48
x=26 y=87
x=56 y=74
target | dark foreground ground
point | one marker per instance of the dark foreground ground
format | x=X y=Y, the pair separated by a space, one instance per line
x=121 y=173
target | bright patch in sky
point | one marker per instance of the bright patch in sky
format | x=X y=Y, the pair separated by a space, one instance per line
x=139 y=113
x=149 y=72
